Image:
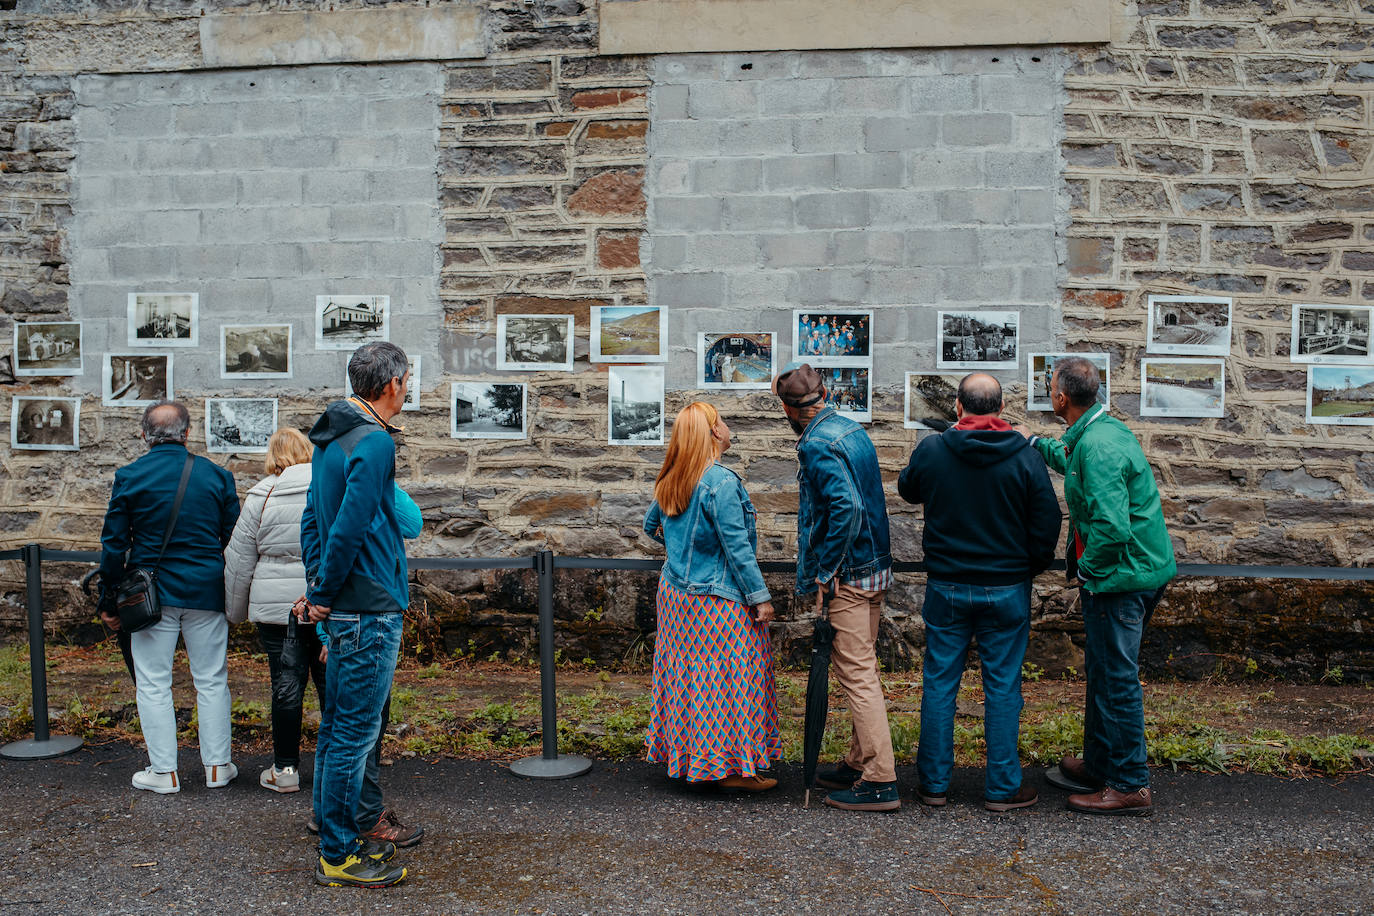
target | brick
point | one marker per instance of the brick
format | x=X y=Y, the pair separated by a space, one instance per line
x=869 y=94
x=744 y=212
x=1210 y=198
x=796 y=96
x=606 y=98
x=832 y=210
x=976 y=129
x=726 y=175
x=524 y=77
x=722 y=251
x=687 y=138
x=503 y=161
x=669 y=103
x=1089 y=256
x=722 y=101
x=162 y=227
x=941 y=247
x=270 y=188
x=796 y=172
x=900 y=134
x=916 y=286
x=362 y=222
x=617 y=250
x=831 y=134
x=668 y=252
x=1166 y=159
x=687 y=214
x=869 y=247
x=797 y=249
x=334 y=186
x=755 y=137
x=1091 y=155
x=990 y=206
x=690 y=289
x=869 y=170
x=1019 y=169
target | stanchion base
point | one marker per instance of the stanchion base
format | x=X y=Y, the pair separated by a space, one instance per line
x=564 y=766
x=33 y=749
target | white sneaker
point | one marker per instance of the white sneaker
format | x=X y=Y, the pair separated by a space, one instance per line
x=220 y=775
x=284 y=780
x=153 y=781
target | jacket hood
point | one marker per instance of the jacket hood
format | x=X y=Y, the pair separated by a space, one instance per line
x=338 y=418
x=983 y=447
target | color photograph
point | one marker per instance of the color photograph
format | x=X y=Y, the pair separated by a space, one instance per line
x=136 y=379
x=255 y=351
x=1340 y=395
x=634 y=405
x=850 y=391
x=534 y=342
x=930 y=398
x=823 y=338
x=977 y=340
x=1324 y=334
x=48 y=348
x=487 y=410
x=629 y=334
x=45 y=424
x=239 y=425
x=164 y=319
x=1182 y=387
x=346 y=322
x=1041 y=371
x=412 y=401
x=1189 y=325
x=736 y=360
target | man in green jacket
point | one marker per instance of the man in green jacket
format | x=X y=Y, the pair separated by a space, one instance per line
x=1121 y=553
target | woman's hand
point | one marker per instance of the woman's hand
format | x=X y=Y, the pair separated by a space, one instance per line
x=763 y=613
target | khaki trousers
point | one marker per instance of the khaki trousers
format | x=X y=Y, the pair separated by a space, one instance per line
x=855 y=613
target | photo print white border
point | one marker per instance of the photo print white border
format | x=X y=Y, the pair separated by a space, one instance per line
x=159 y=342
x=1359 y=377
x=412 y=401
x=378 y=301
x=908 y=423
x=15 y=409
x=107 y=397
x=224 y=372
x=597 y=356
x=853 y=359
x=1321 y=359
x=1103 y=361
x=215 y=448
x=1180 y=349
x=456 y=387
x=506 y=365
x=988 y=316
x=703 y=346
x=614 y=375
x=1203 y=412
x=80 y=368
x=859 y=416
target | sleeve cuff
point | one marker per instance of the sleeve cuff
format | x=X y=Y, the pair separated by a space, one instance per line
x=758 y=597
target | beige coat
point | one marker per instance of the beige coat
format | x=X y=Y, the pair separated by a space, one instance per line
x=263 y=572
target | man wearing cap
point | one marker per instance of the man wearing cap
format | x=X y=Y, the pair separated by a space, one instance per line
x=842 y=549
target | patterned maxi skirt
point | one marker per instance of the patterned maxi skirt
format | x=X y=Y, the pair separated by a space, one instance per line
x=715 y=703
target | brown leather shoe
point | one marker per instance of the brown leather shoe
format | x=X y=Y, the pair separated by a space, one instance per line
x=1024 y=798
x=1136 y=803
x=389 y=829
x=747 y=783
x=1077 y=770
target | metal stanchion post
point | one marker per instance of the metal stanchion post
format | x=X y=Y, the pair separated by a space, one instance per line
x=549 y=765
x=41 y=744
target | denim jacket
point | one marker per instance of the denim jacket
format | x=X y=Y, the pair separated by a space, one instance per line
x=711 y=545
x=842 y=517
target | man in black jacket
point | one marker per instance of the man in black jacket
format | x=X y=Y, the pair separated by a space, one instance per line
x=991 y=524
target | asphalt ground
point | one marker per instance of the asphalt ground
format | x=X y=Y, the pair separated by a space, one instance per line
x=625 y=839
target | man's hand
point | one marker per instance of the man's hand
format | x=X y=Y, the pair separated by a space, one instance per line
x=763 y=613
x=111 y=620
x=317 y=612
x=1020 y=428
x=820 y=593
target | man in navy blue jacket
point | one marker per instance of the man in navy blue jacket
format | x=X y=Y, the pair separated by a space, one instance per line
x=991 y=524
x=355 y=568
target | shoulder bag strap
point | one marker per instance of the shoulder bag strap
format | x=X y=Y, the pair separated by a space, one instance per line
x=176 y=509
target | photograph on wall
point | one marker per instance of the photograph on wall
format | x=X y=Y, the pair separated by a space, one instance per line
x=252 y=351
x=1189 y=325
x=629 y=334
x=6 y=369
x=634 y=405
x=239 y=424
x=136 y=379
x=977 y=340
x=487 y=410
x=850 y=391
x=346 y=322
x=412 y=401
x=45 y=424
x=1324 y=334
x=828 y=338
x=47 y=348
x=1340 y=395
x=1182 y=387
x=930 y=398
x=164 y=319
x=534 y=342
x=1041 y=371
x=741 y=360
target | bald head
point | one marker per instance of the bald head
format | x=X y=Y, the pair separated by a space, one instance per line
x=980 y=394
x=166 y=421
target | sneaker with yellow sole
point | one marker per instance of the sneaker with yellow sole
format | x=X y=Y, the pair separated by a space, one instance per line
x=359 y=871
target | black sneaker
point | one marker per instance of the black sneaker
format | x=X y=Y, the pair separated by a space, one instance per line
x=358 y=872
x=932 y=799
x=380 y=851
x=866 y=796
x=840 y=776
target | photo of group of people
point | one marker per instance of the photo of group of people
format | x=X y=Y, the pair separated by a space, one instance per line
x=840 y=344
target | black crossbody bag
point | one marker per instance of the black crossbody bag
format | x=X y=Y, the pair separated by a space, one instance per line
x=136 y=597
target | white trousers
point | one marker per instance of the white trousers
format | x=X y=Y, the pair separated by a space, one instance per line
x=206 y=634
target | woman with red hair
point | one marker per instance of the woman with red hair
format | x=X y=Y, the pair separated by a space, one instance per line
x=715 y=712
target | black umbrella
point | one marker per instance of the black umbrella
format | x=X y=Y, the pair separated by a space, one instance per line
x=817 y=695
x=290 y=682
x=105 y=601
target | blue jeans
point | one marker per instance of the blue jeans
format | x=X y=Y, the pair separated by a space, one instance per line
x=362 y=661
x=370 y=804
x=999 y=615
x=1114 y=720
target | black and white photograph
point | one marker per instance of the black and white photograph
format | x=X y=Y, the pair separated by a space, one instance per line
x=1340 y=395
x=534 y=342
x=1040 y=372
x=1189 y=325
x=412 y=401
x=1331 y=335
x=850 y=391
x=47 y=348
x=255 y=351
x=930 y=398
x=346 y=322
x=629 y=334
x=977 y=340
x=739 y=360
x=487 y=410
x=635 y=405
x=6 y=369
x=832 y=338
x=45 y=424
x=136 y=379
x=1182 y=387
x=164 y=319
x=239 y=424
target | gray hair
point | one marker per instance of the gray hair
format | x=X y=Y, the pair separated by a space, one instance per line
x=1078 y=379
x=166 y=421
x=373 y=366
